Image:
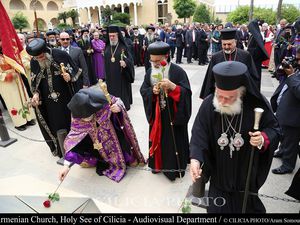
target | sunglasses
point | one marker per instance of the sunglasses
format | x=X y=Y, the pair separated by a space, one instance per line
x=65 y=39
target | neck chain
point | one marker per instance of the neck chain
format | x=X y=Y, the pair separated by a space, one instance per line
x=113 y=59
x=236 y=140
x=234 y=59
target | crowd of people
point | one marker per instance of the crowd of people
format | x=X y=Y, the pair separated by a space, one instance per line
x=61 y=79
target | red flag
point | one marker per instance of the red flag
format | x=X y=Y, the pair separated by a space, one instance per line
x=11 y=45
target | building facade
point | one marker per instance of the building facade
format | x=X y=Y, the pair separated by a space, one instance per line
x=46 y=11
x=141 y=11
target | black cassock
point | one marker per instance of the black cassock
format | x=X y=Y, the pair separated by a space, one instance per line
x=208 y=85
x=228 y=175
x=86 y=45
x=180 y=119
x=55 y=93
x=119 y=79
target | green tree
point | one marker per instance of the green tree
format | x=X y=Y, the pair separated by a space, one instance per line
x=63 y=26
x=107 y=13
x=202 y=14
x=289 y=12
x=20 y=21
x=241 y=15
x=73 y=14
x=268 y=15
x=122 y=17
x=184 y=8
x=63 y=16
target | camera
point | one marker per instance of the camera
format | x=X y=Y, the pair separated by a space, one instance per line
x=289 y=61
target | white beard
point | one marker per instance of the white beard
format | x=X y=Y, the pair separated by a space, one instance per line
x=233 y=109
x=113 y=43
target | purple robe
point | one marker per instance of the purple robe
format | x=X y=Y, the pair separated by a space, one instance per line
x=111 y=151
x=98 y=59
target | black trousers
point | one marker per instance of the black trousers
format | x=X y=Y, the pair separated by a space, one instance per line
x=189 y=52
x=202 y=53
x=179 y=54
x=289 y=147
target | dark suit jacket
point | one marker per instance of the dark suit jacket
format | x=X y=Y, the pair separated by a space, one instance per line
x=288 y=109
x=189 y=37
x=201 y=39
x=78 y=58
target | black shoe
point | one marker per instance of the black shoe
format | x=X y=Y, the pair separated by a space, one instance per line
x=281 y=170
x=31 y=123
x=277 y=154
x=21 y=128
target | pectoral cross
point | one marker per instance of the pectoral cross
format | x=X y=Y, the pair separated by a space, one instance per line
x=98 y=145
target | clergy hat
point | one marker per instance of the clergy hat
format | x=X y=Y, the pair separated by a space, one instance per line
x=230 y=75
x=228 y=33
x=151 y=28
x=84 y=30
x=135 y=28
x=158 y=48
x=50 y=32
x=113 y=29
x=36 y=47
x=228 y=25
x=86 y=102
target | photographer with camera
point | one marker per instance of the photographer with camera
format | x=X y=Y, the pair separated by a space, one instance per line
x=286 y=103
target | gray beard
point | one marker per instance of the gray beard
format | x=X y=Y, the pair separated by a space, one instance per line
x=45 y=63
x=150 y=37
x=233 y=109
x=113 y=43
x=86 y=39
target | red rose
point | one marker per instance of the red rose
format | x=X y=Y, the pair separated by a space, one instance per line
x=14 y=112
x=9 y=77
x=47 y=203
x=163 y=63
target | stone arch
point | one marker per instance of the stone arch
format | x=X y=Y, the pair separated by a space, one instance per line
x=54 y=21
x=17 y=5
x=38 y=5
x=52 y=6
x=42 y=24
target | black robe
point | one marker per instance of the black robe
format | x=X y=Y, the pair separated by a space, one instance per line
x=228 y=175
x=137 y=49
x=256 y=46
x=85 y=45
x=180 y=119
x=119 y=79
x=242 y=56
x=54 y=115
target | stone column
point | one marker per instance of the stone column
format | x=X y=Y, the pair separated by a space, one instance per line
x=135 y=14
x=100 y=15
x=79 y=19
x=122 y=8
x=89 y=15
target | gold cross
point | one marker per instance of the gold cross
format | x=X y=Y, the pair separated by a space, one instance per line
x=98 y=145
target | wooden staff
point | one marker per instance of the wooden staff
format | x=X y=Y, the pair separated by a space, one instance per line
x=258 y=113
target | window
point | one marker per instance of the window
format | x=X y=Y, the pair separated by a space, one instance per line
x=17 y=5
x=162 y=10
x=52 y=6
x=38 y=5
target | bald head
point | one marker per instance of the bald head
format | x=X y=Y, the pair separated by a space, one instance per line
x=64 y=39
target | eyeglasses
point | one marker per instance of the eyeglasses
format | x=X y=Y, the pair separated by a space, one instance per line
x=65 y=39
